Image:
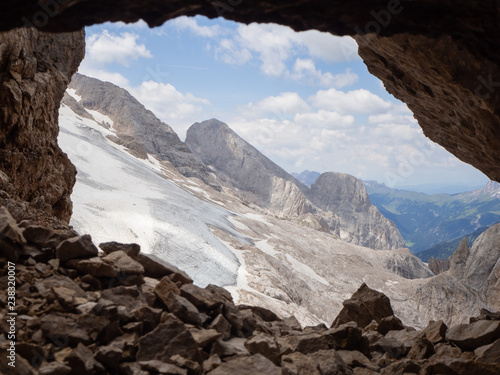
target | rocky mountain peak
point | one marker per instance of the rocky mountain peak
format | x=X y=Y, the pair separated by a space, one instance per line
x=333 y=191
x=336 y=199
x=137 y=127
x=237 y=162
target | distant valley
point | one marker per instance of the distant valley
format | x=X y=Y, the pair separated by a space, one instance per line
x=433 y=225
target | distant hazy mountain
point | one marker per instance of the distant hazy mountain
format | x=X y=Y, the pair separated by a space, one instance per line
x=440 y=188
x=426 y=220
x=444 y=250
x=307 y=177
x=335 y=202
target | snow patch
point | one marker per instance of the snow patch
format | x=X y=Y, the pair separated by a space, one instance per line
x=72 y=92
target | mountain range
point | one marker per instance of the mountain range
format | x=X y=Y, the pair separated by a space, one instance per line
x=433 y=224
x=272 y=244
x=335 y=203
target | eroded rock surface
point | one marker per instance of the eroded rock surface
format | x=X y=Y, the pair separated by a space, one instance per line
x=335 y=203
x=35 y=69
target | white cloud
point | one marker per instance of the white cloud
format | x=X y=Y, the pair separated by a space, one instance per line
x=274 y=46
x=351 y=102
x=328 y=47
x=231 y=53
x=191 y=24
x=105 y=48
x=283 y=105
x=305 y=69
x=103 y=75
x=171 y=106
x=324 y=118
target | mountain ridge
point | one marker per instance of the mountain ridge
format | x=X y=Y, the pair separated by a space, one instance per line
x=329 y=200
x=136 y=126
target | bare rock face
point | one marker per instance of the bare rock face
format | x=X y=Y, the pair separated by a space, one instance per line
x=473 y=270
x=359 y=221
x=336 y=203
x=35 y=69
x=243 y=167
x=136 y=128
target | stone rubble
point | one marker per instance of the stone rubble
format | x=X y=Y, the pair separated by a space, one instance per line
x=118 y=311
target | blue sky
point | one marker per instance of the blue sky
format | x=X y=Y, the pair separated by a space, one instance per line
x=306 y=100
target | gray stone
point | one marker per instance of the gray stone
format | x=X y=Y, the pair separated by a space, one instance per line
x=325 y=362
x=472 y=336
x=256 y=364
x=75 y=248
x=168 y=339
x=131 y=250
x=54 y=368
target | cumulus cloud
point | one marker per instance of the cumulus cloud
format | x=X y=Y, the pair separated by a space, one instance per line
x=287 y=103
x=274 y=47
x=191 y=24
x=106 y=47
x=305 y=69
x=105 y=76
x=350 y=102
x=170 y=105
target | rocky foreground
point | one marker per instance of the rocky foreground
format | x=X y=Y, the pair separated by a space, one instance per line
x=81 y=311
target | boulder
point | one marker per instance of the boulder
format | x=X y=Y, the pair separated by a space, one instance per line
x=324 y=362
x=364 y=306
x=436 y=331
x=422 y=348
x=204 y=337
x=76 y=248
x=354 y=358
x=305 y=343
x=184 y=309
x=201 y=298
x=221 y=325
x=131 y=250
x=261 y=343
x=54 y=368
x=164 y=288
x=472 y=336
x=168 y=339
x=390 y=323
x=346 y=336
x=255 y=364
x=160 y=367
x=233 y=347
x=489 y=353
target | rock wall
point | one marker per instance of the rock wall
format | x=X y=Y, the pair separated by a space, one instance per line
x=35 y=69
x=337 y=202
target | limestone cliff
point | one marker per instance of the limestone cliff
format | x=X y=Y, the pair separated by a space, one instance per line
x=242 y=166
x=337 y=201
x=354 y=218
x=35 y=69
x=137 y=127
x=472 y=282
